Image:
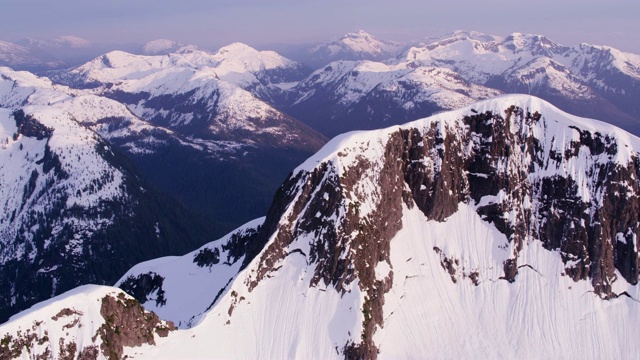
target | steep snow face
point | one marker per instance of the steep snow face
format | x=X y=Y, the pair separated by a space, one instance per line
x=497 y=217
x=478 y=207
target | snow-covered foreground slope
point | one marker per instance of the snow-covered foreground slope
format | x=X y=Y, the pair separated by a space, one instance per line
x=183 y=288
x=504 y=229
x=426 y=315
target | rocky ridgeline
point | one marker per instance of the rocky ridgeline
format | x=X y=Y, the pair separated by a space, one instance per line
x=577 y=197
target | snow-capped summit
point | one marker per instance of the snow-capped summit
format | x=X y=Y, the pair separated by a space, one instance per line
x=160 y=47
x=206 y=114
x=352 y=46
x=508 y=217
x=490 y=219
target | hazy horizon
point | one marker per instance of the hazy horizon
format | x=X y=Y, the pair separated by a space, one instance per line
x=214 y=23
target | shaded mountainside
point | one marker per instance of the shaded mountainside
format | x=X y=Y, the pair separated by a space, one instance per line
x=508 y=217
x=229 y=180
x=211 y=143
x=76 y=211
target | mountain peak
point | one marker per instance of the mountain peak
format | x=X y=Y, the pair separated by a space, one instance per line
x=358 y=34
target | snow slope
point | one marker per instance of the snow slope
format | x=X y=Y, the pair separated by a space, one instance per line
x=85 y=322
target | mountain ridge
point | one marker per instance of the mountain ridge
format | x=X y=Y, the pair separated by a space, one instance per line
x=500 y=217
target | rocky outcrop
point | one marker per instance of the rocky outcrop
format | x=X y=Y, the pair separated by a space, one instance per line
x=70 y=332
x=127 y=324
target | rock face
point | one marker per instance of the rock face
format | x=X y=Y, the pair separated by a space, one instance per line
x=440 y=216
x=532 y=174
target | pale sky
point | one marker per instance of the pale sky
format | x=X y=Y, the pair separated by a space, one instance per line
x=214 y=23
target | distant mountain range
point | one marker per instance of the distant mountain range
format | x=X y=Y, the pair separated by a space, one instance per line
x=591 y=81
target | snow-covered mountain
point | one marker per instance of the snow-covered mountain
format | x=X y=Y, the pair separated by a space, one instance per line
x=74 y=209
x=348 y=95
x=359 y=45
x=508 y=217
x=61 y=42
x=209 y=101
x=200 y=94
x=588 y=80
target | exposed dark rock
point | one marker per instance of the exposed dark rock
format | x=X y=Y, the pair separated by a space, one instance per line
x=65 y=312
x=207 y=257
x=127 y=324
x=143 y=285
x=30 y=127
